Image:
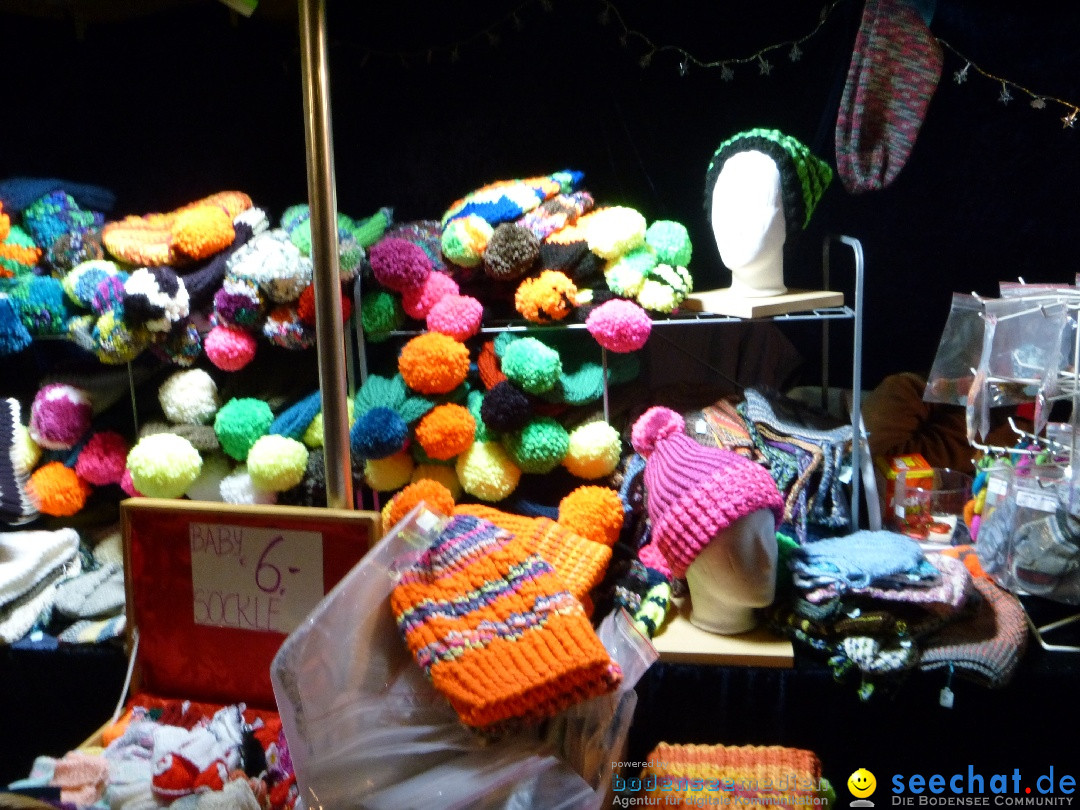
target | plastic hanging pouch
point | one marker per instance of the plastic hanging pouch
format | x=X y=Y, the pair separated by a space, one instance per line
x=366 y=729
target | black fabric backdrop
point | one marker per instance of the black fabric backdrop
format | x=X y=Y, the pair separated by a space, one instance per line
x=166 y=105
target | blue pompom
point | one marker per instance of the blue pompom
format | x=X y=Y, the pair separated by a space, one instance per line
x=378 y=433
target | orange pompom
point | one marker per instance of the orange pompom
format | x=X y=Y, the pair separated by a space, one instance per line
x=434 y=495
x=594 y=512
x=57 y=490
x=446 y=431
x=551 y=296
x=202 y=231
x=433 y=363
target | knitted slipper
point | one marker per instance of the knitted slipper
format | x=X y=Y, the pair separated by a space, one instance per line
x=195 y=231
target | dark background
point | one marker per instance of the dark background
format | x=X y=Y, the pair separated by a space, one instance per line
x=178 y=99
x=165 y=102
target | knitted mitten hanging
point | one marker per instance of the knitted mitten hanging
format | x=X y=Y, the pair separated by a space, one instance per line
x=895 y=68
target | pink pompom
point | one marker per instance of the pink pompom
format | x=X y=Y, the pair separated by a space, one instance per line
x=60 y=416
x=103 y=458
x=619 y=325
x=418 y=301
x=229 y=347
x=655 y=424
x=128 y=485
x=399 y=264
x=458 y=316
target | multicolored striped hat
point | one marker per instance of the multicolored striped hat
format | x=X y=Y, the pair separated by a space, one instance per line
x=496 y=630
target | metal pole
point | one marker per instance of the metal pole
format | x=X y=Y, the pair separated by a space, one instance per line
x=324 y=253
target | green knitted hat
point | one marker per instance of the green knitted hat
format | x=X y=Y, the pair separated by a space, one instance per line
x=803 y=176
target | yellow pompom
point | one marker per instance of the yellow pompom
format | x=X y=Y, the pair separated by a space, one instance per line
x=439 y=472
x=390 y=473
x=487 y=472
x=594 y=450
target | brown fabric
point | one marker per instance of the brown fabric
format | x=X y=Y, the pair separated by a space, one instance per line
x=900 y=423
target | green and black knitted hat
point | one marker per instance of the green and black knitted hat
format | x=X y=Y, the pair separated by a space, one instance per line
x=803 y=176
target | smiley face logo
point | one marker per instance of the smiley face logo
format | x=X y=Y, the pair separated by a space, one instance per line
x=862 y=783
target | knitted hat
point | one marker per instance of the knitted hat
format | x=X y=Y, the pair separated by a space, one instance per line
x=195 y=231
x=985 y=647
x=579 y=561
x=694 y=492
x=16 y=505
x=507 y=200
x=495 y=629
x=556 y=213
x=803 y=177
x=894 y=71
x=155 y=297
x=760 y=775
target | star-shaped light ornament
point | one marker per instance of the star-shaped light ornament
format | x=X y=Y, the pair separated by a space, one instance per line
x=764 y=66
x=1069 y=120
x=1005 y=97
x=795 y=54
x=726 y=73
x=960 y=76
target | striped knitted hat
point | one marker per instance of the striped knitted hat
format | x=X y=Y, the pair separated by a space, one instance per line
x=761 y=775
x=496 y=630
x=803 y=176
x=579 y=562
x=695 y=492
x=16 y=505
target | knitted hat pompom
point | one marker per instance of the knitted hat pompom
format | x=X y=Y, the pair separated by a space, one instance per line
x=399 y=264
x=418 y=301
x=57 y=490
x=459 y=316
x=229 y=348
x=163 y=465
x=506 y=407
x=619 y=325
x=655 y=424
x=276 y=463
x=103 y=458
x=60 y=415
x=379 y=433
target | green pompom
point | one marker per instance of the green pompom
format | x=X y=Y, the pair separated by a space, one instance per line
x=539 y=447
x=380 y=314
x=473 y=403
x=531 y=365
x=625 y=275
x=671 y=241
x=239 y=423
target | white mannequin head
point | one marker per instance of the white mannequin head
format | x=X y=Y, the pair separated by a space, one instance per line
x=734 y=574
x=748 y=223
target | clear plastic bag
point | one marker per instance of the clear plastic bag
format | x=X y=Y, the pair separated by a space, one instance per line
x=996 y=352
x=366 y=729
x=1030 y=543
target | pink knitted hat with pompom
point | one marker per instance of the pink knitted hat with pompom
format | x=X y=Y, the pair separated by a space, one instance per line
x=694 y=492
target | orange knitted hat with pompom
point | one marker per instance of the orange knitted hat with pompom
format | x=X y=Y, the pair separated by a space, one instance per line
x=496 y=630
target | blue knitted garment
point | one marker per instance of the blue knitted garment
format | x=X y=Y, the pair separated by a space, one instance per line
x=854 y=560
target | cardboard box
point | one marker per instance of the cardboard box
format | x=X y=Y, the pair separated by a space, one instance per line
x=214 y=589
x=913 y=467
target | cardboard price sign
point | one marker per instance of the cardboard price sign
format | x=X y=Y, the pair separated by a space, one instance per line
x=254 y=579
x=214 y=589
